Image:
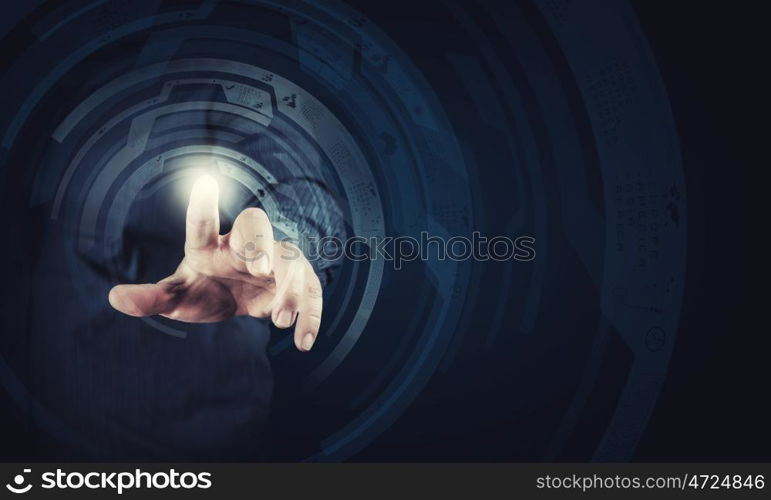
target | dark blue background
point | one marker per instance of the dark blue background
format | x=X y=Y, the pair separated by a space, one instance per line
x=713 y=403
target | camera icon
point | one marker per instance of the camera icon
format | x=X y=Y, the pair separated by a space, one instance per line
x=18 y=481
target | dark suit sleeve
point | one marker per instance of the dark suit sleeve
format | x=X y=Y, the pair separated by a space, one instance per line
x=308 y=205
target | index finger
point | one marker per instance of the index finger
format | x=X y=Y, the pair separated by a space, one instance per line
x=203 y=219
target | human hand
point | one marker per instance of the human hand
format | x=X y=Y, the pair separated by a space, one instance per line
x=244 y=272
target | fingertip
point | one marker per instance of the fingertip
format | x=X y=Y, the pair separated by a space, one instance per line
x=206 y=186
x=120 y=301
x=283 y=318
x=305 y=344
x=113 y=296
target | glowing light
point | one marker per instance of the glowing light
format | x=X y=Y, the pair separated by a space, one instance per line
x=205 y=174
x=207 y=186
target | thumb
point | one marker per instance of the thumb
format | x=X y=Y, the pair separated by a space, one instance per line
x=141 y=300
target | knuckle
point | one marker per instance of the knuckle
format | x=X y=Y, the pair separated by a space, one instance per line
x=289 y=248
x=198 y=222
x=254 y=213
x=313 y=317
x=314 y=291
x=254 y=220
x=291 y=297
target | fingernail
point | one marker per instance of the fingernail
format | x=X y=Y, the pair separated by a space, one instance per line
x=308 y=341
x=261 y=265
x=284 y=318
